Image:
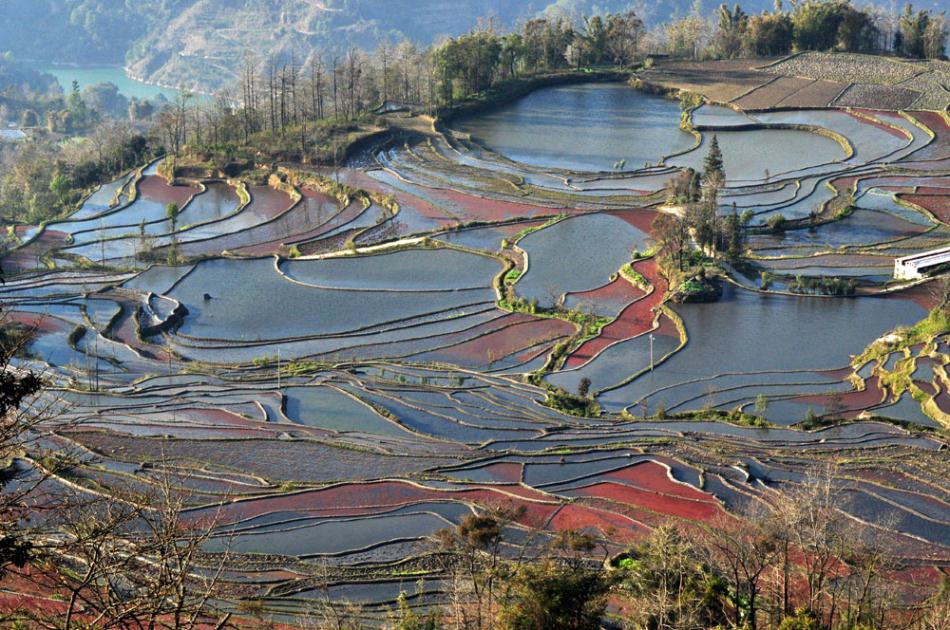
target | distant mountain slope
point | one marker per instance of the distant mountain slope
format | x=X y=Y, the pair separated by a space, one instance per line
x=79 y=31
x=202 y=42
x=210 y=37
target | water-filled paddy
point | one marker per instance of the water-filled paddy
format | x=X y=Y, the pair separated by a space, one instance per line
x=618 y=123
x=408 y=270
x=762 y=154
x=248 y=300
x=329 y=409
x=749 y=332
x=566 y=257
x=331 y=537
x=862 y=227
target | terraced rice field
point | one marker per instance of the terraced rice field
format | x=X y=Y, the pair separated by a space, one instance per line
x=336 y=380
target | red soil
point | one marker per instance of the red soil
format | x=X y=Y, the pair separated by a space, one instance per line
x=518 y=490
x=579 y=517
x=39 y=323
x=472 y=208
x=157 y=189
x=655 y=477
x=28 y=257
x=322 y=197
x=532 y=515
x=433 y=345
x=844 y=184
x=850 y=401
x=268 y=202
x=634 y=320
x=618 y=290
x=936 y=204
x=532 y=353
x=840 y=374
x=515 y=337
x=348 y=498
x=920 y=295
x=640 y=218
x=654 y=501
x=876 y=122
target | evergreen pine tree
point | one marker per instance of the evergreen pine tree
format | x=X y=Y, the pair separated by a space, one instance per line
x=712 y=165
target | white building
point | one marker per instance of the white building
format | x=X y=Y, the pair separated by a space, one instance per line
x=917 y=266
x=12 y=134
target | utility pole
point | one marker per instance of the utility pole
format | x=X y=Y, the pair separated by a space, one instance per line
x=90 y=378
x=174 y=410
x=278 y=369
x=651 y=352
x=95 y=357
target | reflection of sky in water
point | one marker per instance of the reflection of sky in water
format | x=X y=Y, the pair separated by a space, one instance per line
x=749 y=332
x=585 y=127
x=577 y=254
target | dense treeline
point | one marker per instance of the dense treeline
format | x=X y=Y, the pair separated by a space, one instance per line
x=822 y=25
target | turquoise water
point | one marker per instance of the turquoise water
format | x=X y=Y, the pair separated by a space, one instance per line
x=128 y=87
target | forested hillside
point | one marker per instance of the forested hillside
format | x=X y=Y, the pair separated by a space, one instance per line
x=201 y=44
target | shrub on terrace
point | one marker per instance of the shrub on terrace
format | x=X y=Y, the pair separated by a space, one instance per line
x=776 y=223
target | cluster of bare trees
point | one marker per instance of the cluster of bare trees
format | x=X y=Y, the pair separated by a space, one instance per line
x=801 y=557
x=291 y=101
x=78 y=557
x=126 y=559
x=121 y=559
x=794 y=561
